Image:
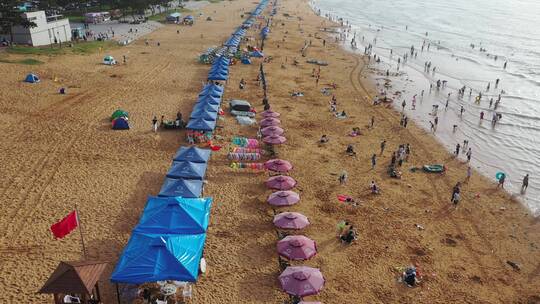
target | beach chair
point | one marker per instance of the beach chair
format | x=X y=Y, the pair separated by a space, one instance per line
x=187 y=292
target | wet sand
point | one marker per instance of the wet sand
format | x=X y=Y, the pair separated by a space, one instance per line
x=65 y=153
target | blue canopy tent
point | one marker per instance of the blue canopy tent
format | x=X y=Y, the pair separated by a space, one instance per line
x=206 y=106
x=151 y=258
x=233 y=41
x=201 y=124
x=192 y=154
x=212 y=87
x=175 y=215
x=206 y=115
x=209 y=99
x=181 y=187
x=202 y=113
x=187 y=170
x=209 y=92
x=240 y=32
x=219 y=75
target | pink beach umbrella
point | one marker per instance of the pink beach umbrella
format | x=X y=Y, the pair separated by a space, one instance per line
x=281 y=182
x=301 y=281
x=297 y=248
x=267 y=122
x=283 y=198
x=291 y=220
x=274 y=140
x=272 y=131
x=278 y=165
x=270 y=113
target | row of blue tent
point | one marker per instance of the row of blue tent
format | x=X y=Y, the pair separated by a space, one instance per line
x=205 y=112
x=168 y=242
x=220 y=69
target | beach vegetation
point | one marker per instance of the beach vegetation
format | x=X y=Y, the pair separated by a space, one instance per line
x=82 y=48
x=27 y=61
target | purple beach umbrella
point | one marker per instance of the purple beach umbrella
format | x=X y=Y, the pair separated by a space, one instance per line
x=272 y=131
x=274 y=140
x=281 y=182
x=267 y=122
x=270 y=113
x=301 y=281
x=283 y=198
x=291 y=220
x=278 y=165
x=297 y=248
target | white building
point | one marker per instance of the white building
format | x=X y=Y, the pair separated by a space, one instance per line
x=48 y=30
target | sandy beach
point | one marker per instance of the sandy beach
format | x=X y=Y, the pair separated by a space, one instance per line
x=59 y=150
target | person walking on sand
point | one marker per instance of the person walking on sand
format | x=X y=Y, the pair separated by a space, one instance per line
x=525 y=183
x=154 y=124
x=372 y=123
x=469 y=174
x=383 y=145
x=455 y=199
x=414 y=102
x=456 y=189
x=343 y=177
x=407 y=152
x=461 y=111
x=373 y=161
x=405 y=121
x=403 y=104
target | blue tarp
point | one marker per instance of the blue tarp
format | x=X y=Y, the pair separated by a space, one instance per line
x=181 y=187
x=233 y=41
x=211 y=87
x=209 y=107
x=201 y=124
x=206 y=115
x=152 y=258
x=209 y=99
x=192 y=154
x=187 y=170
x=218 y=75
x=240 y=32
x=175 y=215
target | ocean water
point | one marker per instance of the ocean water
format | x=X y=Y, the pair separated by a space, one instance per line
x=507 y=29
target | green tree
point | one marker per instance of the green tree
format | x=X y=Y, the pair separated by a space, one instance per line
x=10 y=16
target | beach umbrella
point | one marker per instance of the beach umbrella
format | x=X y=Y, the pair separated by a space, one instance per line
x=278 y=165
x=267 y=122
x=281 y=182
x=291 y=220
x=301 y=281
x=270 y=113
x=274 y=140
x=272 y=131
x=297 y=248
x=283 y=198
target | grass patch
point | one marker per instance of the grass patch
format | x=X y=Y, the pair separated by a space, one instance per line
x=161 y=17
x=75 y=19
x=27 y=61
x=78 y=48
x=214 y=1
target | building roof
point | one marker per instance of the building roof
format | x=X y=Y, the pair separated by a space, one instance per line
x=77 y=277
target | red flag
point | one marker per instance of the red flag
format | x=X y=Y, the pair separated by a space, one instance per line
x=65 y=226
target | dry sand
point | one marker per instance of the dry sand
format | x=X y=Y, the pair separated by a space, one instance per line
x=59 y=150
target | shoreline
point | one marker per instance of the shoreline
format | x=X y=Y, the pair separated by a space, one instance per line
x=411 y=81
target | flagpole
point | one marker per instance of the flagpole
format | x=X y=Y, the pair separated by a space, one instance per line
x=81 y=232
